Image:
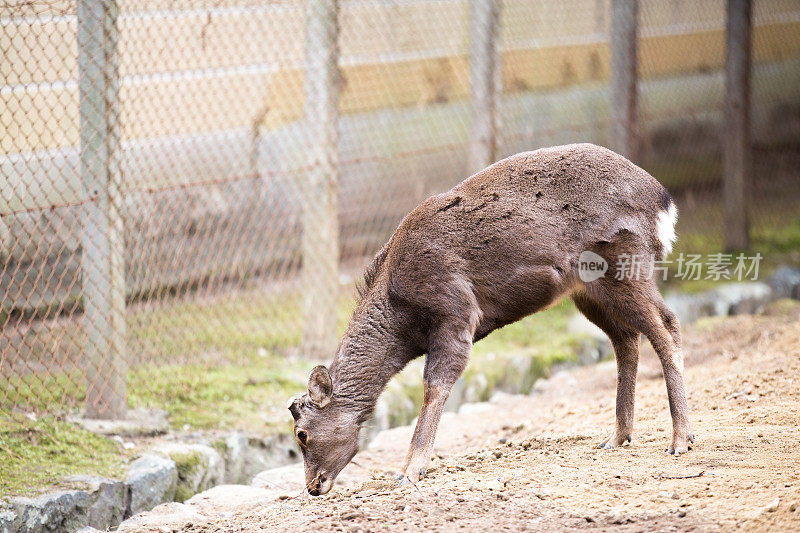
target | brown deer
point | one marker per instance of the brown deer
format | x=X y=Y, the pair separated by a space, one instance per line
x=499 y=246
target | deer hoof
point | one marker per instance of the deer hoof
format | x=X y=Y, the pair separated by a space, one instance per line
x=680 y=445
x=613 y=441
x=410 y=478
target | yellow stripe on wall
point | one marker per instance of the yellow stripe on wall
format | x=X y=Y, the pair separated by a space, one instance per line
x=48 y=117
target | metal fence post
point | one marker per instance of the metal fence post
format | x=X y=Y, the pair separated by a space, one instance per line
x=624 y=72
x=484 y=81
x=102 y=238
x=736 y=137
x=320 y=246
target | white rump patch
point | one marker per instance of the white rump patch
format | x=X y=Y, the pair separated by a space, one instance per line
x=665 y=228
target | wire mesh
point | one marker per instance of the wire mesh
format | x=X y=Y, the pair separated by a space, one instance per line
x=194 y=214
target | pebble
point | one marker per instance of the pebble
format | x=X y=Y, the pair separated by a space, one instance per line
x=495 y=484
x=773 y=505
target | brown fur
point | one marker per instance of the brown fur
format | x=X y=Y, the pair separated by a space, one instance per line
x=497 y=247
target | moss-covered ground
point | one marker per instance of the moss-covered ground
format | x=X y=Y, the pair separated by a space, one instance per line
x=39 y=454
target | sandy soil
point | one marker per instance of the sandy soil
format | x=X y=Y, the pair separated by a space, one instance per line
x=530 y=463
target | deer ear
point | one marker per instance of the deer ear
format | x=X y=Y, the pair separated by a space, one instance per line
x=294 y=407
x=320 y=386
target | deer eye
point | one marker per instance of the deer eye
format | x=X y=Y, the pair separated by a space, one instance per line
x=302 y=437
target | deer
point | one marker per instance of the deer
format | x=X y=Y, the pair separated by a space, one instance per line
x=501 y=245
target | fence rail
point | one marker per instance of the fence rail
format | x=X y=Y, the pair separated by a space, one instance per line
x=187 y=183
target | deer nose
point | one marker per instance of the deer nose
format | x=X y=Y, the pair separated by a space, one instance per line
x=316 y=487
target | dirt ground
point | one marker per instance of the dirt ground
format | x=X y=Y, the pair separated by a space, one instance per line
x=530 y=463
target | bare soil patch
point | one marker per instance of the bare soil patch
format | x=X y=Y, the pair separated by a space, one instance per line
x=530 y=462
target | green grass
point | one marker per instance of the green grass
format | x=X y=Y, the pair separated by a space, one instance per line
x=540 y=335
x=222 y=363
x=36 y=455
x=236 y=360
x=250 y=396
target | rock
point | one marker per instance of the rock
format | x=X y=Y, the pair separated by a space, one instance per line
x=236 y=446
x=169 y=516
x=728 y=299
x=495 y=484
x=101 y=504
x=65 y=510
x=199 y=467
x=773 y=505
x=500 y=397
x=475 y=408
x=595 y=345
x=785 y=282
x=744 y=298
x=231 y=498
x=687 y=307
x=109 y=500
x=137 y=423
x=589 y=351
x=268 y=452
x=288 y=479
x=477 y=388
x=152 y=480
x=580 y=324
x=9 y=521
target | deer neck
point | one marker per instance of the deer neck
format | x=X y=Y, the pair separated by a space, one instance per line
x=369 y=355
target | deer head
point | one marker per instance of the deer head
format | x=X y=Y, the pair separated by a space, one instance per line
x=326 y=431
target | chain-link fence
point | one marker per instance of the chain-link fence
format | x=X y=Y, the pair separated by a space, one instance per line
x=188 y=185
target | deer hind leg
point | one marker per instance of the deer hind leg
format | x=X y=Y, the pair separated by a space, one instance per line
x=638 y=306
x=447 y=358
x=625 y=341
x=664 y=334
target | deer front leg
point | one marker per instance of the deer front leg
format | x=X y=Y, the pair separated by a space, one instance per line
x=446 y=360
x=421 y=447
